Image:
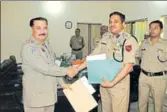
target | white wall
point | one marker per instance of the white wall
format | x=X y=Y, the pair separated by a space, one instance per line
x=134 y=10
x=15 y=22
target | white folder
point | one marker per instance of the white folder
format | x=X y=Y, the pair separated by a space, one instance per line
x=79 y=97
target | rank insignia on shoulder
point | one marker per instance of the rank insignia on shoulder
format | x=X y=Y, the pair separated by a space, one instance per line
x=128 y=48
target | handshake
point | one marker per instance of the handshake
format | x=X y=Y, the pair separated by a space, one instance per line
x=71 y=71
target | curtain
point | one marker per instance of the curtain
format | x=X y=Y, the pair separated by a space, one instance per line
x=140 y=29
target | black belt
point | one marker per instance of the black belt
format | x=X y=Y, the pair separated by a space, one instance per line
x=77 y=49
x=154 y=74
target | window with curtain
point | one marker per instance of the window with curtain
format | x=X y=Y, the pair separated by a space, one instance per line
x=140 y=29
x=137 y=28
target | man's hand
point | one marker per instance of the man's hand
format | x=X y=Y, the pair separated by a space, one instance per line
x=106 y=83
x=71 y=72
x=66 y=86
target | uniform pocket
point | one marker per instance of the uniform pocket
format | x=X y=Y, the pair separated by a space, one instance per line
x=80 y=41
x=160 y=52
x=143 y=51
x=161 y=55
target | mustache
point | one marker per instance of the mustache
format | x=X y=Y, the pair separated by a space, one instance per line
x=112 y=27
x=42 y=34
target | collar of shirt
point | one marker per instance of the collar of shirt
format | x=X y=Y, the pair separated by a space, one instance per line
x=120 y=33
x=76 y=36
x=119 y=36
x=159 y=40
x=36 y=42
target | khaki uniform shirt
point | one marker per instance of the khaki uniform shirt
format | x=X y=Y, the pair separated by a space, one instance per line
x=110 y=44
x=77 y=42
x=40 y=71
x=152 y=55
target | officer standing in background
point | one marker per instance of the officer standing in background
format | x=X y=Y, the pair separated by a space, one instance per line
x=122 y=47
x=41 y=74
x=77 y=44
x=103 y=30
x=153 y=55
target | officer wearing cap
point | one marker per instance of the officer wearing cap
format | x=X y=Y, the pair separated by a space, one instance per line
x=41 y=74
x=153 y=55
x=121 y=47
x=77 y=44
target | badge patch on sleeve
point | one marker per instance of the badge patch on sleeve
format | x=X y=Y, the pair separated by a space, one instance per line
x=128 y=48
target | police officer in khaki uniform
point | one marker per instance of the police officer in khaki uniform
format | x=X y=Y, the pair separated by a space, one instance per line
x=41 y=74
x=120 y=46
x=103 y=30
x=77 y=43
x=153 y=55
